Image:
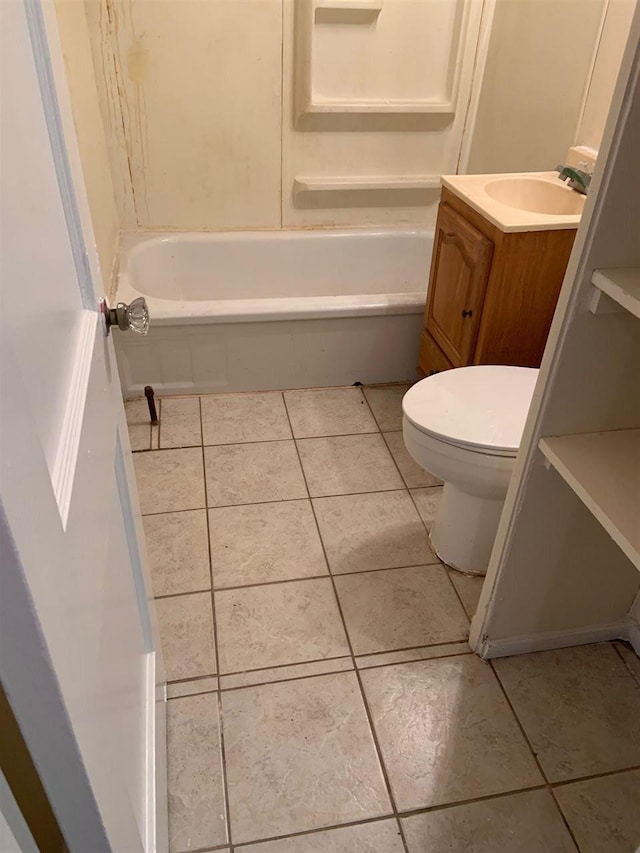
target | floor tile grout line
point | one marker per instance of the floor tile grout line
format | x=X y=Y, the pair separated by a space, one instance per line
x=406 y=813
x=189 y=695
x=305 y=663
x=533 y=752
x=470 y=801
x=402 y=479
x=190 y=445
x=282 y=500
x=374 y=736
x=193 y=678
x=334 y=672
x=302 y=579
x=623 y=659
x=285 y=680
x=503 y=690
x=292 y=437
x=181 y=594
x=411 y=648
x=218 y=848
x=415 y=660
x=373 y=414
x=602 y=775
x=223 y=761
x=315 y=831
x=348 y=638
x=447 y=569
x=276 y=666
x=564 y=818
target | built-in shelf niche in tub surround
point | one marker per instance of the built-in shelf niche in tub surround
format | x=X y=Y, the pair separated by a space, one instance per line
x=360 y=67
x=363 y=57
x=260 y=310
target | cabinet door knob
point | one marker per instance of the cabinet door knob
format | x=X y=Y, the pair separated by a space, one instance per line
x=466 y=313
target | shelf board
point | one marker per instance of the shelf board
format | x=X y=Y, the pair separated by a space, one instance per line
x=622 y=285
x=603 y=469
x=350 y=183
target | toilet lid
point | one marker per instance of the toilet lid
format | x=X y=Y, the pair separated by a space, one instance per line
x=480 y=407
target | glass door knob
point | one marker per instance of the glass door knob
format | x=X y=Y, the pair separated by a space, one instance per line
x=134 y=317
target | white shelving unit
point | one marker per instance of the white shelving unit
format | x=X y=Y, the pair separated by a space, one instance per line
x=621 y=285
x=603 y=469
x=565 y=567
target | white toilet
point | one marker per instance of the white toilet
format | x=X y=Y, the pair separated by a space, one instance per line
x=465 y=425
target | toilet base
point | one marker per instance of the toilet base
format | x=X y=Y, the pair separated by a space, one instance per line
x=465 y=529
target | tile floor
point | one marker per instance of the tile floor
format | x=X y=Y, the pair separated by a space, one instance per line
x=322 y=696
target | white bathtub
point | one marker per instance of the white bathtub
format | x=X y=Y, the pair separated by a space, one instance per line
x=257 y=310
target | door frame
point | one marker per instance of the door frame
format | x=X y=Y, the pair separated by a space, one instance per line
x=37 y=702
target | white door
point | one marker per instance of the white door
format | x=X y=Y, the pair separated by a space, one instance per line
x=79 y=656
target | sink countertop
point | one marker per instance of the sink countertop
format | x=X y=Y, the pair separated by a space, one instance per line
x=471 y=189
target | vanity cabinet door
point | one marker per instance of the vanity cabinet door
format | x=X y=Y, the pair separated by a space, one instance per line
x=459 y=273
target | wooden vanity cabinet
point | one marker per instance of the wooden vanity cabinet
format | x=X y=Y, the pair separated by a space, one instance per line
x=491 y=294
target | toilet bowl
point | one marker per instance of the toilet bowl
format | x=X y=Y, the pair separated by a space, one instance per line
x=464 y=426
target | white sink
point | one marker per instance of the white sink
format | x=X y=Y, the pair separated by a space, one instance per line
x=536 y=195
x=521 y=201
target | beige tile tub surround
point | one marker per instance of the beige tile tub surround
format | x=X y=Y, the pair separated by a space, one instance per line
x=194 y=765
x=348 y=464
x=180 y=422
x=253 y=473
x=446 y=732
x=186 y=628
x=379 y=530
x=604 y=813
x=170 y=480
x=300 y=755
x=579 y=709
x=519 y=823
x=381 y=836
x=178 y=551
x=240 y=418
x=262 y=626
x=335 y=411
x=413 y=475
x=400 y=608
x=266 y=542
x=386 y=404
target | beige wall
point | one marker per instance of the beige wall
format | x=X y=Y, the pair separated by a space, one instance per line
x=605 y=72
x=199 y=101
x=208 y=105
x=192 y=91
x=74 y=39
x=538 y=63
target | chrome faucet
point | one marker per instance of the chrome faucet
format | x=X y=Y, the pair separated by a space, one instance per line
x=578 y=180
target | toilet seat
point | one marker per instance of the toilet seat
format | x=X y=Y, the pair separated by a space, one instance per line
x=481 y=409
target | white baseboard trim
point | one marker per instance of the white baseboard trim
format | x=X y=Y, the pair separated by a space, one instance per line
x=557 y=639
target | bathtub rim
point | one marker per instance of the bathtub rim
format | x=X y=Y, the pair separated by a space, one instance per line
x=165 y=312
